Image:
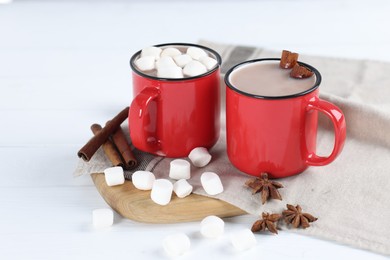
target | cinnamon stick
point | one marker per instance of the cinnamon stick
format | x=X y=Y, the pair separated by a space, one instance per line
x=89 y=149
x=109 y=148
x=124 y=148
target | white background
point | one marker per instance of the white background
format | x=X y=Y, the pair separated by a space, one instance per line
x=64 y=65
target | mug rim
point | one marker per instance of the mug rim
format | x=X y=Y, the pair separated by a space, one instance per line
x=216 y=54
x=302 y=93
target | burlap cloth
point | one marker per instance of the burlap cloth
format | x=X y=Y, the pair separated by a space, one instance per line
x=351 y=196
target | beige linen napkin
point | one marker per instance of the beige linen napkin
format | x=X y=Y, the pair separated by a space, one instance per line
x=350 y=196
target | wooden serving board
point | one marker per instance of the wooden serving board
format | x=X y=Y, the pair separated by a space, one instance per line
x=136 y=204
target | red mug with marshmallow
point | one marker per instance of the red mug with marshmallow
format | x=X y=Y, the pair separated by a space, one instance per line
x=271 y=119
x=170 y=115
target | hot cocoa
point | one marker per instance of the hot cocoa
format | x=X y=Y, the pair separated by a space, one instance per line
x=266 y=78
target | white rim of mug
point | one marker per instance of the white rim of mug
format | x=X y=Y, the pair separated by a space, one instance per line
x=314 y=87
x=216 y=55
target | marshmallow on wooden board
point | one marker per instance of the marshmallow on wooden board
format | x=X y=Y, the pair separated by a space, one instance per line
x=211 y=183
x=176 y=244
x=170 y=51
x=182 y=60
x=182 y=188
x=180 y=169
x=114 y=176
x=208 y=62
x=143 y=180
x=102 y=218
x=145 y=63
x=243 y=239
x=199 y=156
x=161 y=191
x=194 y=68
x=212 y=227
x=151 y=51
x=196 y=53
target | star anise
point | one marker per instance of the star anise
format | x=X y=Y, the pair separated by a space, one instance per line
x=267 y=187
x=268 y=221
x=295 y=216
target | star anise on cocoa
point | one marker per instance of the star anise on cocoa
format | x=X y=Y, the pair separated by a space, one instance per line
x=268 y=221
x=294 y=216
x=267 y=187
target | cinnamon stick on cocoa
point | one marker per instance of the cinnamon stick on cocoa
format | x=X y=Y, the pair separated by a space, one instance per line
x=89 y=149
x=109 y=148
x=124 y=149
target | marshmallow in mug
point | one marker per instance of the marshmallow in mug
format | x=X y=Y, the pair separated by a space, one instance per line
x=171 y=62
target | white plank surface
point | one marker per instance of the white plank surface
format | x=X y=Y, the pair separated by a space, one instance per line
x=64 y=65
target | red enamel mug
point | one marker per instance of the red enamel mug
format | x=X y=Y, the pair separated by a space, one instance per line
x=277 y=134
x=169 y=117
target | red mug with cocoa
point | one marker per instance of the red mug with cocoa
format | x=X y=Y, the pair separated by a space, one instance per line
x=271 y=119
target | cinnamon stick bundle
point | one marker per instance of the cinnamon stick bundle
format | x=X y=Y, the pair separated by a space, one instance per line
x=109 y=148
x=124 y=149
x=89 y=149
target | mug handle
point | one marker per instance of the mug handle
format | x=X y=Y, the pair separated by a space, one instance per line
x=338 y=119
x=138 y=114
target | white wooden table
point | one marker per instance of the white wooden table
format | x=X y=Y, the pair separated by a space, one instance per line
x=64 y=65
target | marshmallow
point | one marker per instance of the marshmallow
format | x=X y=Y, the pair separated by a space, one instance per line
x=196 y=52
x=211 y=183
x=171 y=52
x=243 y=239
x=114 y=176
x=176 y=244
x=165 y=62
x=212 y=227
x=208 y=62
x=161 y=191
x=170 y=72
x=102 y=218
x=199 y=156
x=194 y=68
x=145 y=63
x=143 y=180
x=151 y=51
x=180 y=169
x=182 y=60
x=182 y=188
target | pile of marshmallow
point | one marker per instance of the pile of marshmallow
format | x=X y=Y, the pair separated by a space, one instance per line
x=210 y=227
x=161 y=193
x=170 y=62
x=179 y=243
x=180 y=171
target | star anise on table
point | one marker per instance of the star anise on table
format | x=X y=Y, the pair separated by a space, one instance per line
x=295 y=216
x=268 y=221
x=267 y=187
